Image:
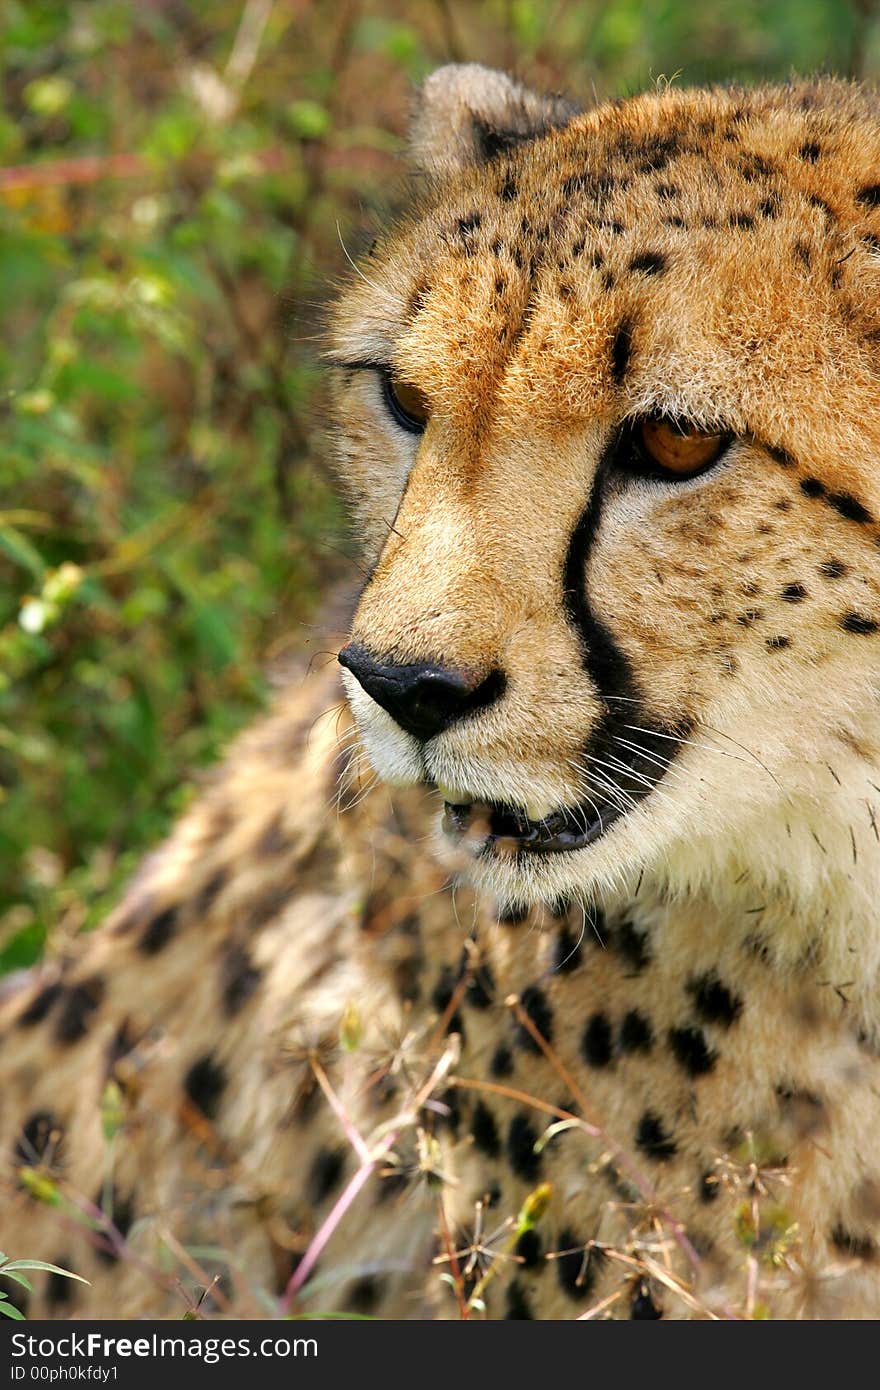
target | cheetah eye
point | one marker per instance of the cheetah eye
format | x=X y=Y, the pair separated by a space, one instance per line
x=676 y=449
x=406 y=403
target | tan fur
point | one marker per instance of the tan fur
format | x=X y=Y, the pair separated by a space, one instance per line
x=676 y=1029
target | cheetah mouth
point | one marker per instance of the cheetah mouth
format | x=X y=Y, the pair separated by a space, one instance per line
x=495 y=828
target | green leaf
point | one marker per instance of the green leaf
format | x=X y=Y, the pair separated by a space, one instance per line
x=42 y=1264
x=21 y=551
x=9 y=1310
x=308 y=120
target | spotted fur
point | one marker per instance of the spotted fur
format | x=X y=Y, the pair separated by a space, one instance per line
x=335 y=1056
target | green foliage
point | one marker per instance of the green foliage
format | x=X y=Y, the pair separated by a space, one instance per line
x=176 y=178
x=14 y=1270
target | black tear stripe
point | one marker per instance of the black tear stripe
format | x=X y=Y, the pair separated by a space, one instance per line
x=611 y=673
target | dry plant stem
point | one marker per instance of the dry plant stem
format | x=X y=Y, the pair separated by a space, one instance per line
x=103 y=1234
x=254 y=18
x=468 y=1083
x=454 y=1266
x=357 y=1182
x=351 y=1132
x=645 y=1264
x=600 y=1307
x=209 y=1282
x=621 y=1156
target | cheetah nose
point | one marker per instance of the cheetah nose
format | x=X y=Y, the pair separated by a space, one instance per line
x=424 y=699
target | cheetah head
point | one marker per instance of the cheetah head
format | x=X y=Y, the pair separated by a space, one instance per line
x=609 y=414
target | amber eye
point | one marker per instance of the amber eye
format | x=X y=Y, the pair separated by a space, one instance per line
x=678 y=449
x=406 y=403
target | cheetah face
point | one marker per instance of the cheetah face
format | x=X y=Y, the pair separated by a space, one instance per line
x=608 y=405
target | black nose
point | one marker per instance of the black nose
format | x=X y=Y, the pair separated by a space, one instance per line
x=423 y=699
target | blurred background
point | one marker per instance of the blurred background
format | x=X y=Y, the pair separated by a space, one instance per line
x=176 y=178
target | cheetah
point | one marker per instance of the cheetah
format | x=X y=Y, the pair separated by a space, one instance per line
x=538 y=977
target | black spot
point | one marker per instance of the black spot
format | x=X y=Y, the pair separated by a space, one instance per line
x=120 y=1211
x=365 y=1294
x=325 y=1173
x=239 y=978
x=861 y=1247
x=812 y=487
x=743 y=220
x=567 y=951
x=651 y=262
x=777 y=644
x=769 y=207
x=275 y=839
x=407 y=973
x=78 y=1004
x=517 y=1303
x=444 y=989
x=203 y=1085
x=636 y=1034
x=810 y=151
x=60 y=1291
x=793 y=593
x=832 y=569
x=691 y=1051
x=714 y=1002
x=467 y=225
x=621 y=350
x=869 y=195
x=212 y=889
x=119 y=1046
x=576 y=1267
x=849 y=507
x=667 y=190
x=521 y=1140
x=710 y=1187
x=502 y=1061
x=39 y=1006
x=804 y=1110
x=393 y=1184
x=653 y=1139
x=643 y=1306
x=858 y=623
x=485 y=1131
x=534 y=1003
x=595 y=924
x=508 y=190
x=158 y=932
x=528 y=1249
x=481 y=988
x=442 y=998
x=632 y=946
x=656 y=151
x=39 y=1138
x=596 y=1047
x=511 y=916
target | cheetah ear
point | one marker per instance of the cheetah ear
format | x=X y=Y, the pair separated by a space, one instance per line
x=466 y=114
